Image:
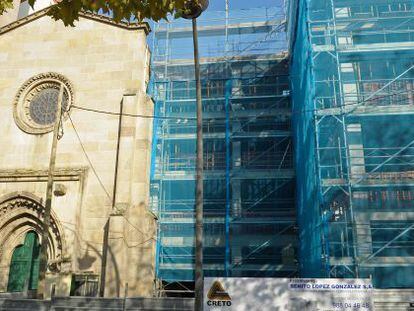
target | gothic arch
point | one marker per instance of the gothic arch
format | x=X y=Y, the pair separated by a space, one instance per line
x=19 y=214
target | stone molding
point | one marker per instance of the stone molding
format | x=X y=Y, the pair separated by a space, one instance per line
x=20 y=214
x=60 y=174
x=29 y=89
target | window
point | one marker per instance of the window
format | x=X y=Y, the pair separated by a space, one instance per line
x=84 y=285
x=390 y=199
x=261 y=255
x=43 y=106
x=35 y=105
x=392 y=238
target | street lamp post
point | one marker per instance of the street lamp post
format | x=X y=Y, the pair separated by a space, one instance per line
x=193 y=9
x=199 y=283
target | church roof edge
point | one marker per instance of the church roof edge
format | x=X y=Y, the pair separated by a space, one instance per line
x=88 y=15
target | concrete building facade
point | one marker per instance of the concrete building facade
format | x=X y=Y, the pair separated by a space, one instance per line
x=101 y=235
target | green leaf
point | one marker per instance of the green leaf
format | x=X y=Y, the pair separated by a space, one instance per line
x=32 y=3
x=68 y=10
x=5 y=5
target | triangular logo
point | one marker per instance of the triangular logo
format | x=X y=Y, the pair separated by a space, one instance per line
x=217 y=292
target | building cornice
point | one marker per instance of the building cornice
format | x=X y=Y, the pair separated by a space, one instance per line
x=40 y=175
x=88 y=15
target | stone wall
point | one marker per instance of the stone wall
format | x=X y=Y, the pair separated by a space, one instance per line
x=106 y=64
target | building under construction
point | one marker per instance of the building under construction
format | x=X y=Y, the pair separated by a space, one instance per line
x=353 y=110
x=348 y=67
x=249 y=181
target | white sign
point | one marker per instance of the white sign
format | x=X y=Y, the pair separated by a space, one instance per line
x=278 y=294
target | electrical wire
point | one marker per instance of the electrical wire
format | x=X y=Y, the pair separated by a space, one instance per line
x=127 y=114
x=101 y=183
x=89 y=160
x=291 y=112
x=354 y=105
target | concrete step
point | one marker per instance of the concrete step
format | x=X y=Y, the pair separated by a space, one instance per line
x=105 y=304
x=24 y=305
x=88 y=302
x=67 y=308
x=97 y=304
x=159 y=304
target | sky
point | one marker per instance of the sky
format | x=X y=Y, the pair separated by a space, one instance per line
x=219 y=5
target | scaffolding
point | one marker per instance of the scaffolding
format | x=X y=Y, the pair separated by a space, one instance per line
x=352 y=72
x=249 y=210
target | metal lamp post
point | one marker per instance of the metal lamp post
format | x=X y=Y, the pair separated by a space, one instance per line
x=193 y=9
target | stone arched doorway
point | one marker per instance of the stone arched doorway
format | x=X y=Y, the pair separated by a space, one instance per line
x=21 y=219
x=24 y=265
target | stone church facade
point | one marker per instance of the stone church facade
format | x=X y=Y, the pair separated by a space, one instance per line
x=102 y=235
